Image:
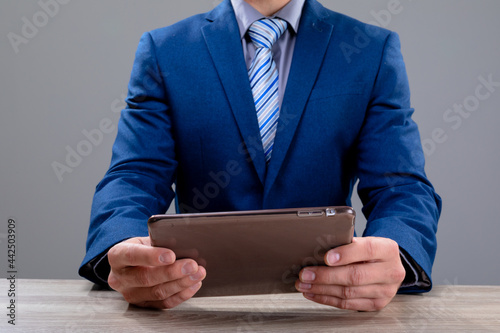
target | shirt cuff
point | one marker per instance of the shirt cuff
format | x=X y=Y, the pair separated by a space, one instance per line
x=415 y=275
x=97 y=269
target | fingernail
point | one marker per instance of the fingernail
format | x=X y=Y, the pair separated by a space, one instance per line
x=196 y=286
x=332 y=258
x=307 y=276
x=189 y=268
x=309 y=296
x=166 y=258
x=304 y=286
x=196 y=276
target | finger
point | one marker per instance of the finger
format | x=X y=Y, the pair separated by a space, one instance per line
x=162 y=292
x=133 y=253
x=363 y=249
x=174 y=300
x=149 y=276
x=354 y=274
x=358 y=304
x=348 y=292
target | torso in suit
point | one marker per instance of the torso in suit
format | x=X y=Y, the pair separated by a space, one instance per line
x=191 y=121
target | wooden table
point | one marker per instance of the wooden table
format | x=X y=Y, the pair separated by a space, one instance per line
x=78 y=306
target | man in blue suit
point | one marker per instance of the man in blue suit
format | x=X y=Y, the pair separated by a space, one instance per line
x=344 y=115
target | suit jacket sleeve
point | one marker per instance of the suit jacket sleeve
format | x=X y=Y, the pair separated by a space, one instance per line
x=138 y=182
x=398 y=200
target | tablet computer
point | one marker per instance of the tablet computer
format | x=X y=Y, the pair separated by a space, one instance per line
x=253 y=252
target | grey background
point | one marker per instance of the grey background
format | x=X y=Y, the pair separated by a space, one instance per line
x=74 y=71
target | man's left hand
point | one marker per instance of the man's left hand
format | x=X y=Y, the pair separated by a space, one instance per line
x=364 y=275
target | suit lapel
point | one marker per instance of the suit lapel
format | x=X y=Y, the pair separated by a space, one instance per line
x=312 y=42
x=222 y=37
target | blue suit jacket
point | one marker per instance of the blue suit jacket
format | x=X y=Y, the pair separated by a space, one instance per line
x=190 y=120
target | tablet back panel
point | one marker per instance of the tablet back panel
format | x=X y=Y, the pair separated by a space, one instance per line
x=253 y=252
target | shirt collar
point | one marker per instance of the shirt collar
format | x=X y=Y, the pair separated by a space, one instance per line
x=246 y=14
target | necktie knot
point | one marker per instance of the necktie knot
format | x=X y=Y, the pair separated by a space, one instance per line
x=265 y=32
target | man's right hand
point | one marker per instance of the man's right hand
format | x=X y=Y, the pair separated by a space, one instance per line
x=149 y=276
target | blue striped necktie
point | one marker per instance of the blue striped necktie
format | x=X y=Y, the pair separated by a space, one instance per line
x=263 y=75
